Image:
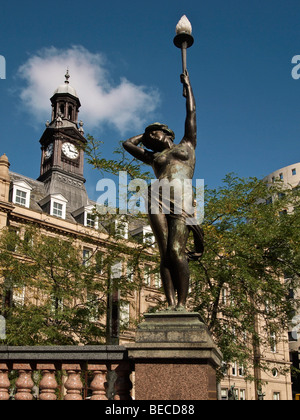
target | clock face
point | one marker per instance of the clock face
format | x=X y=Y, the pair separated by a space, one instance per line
x=49 y=151
x=70 y=150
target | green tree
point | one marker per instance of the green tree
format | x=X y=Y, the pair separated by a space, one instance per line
x=65 y=291
x=250 y=264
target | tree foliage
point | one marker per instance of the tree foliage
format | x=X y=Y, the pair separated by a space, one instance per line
x=52 y=294
x=62 y=293
x=241 y=286
x=123 y=162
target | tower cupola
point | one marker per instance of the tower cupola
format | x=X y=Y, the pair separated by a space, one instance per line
x=65 y=104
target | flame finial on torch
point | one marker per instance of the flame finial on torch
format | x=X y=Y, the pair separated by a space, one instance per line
x=183 y=40
x=184 y=25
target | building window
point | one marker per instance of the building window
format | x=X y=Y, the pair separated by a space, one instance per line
x=241 y=370
x=281 y=176
x=283 y=212
x=117 y=270
x=224 y=394
x=147 y=275
x=234 y=369
x=70 y=113
x=124 y=314
x=243 y=395
x=55 y=204
x=276 y=396
x=148 y=237
x=90 y=220
x=269 y=200
x=57 y=209
x=130 y=274
x=121 y=229
x=58 y=206
x=99 y=261
x=57 y=304
x=19 y=295
x=157 y=280
x=143 y=234
x=294 y=171
x=21 y=197
x=86 y=257
x=86 y=216
x=93 y=309
x=224 y=295
x=12 y=245
x=21 y=193
x=273 y=342
x=62 y=110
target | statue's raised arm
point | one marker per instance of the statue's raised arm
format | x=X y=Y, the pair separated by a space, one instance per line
x=190 y=134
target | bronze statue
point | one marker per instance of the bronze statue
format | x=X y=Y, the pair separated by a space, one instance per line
x=231 y=394
x=172 y=162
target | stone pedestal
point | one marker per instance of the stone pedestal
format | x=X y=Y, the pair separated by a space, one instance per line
x=175 y=358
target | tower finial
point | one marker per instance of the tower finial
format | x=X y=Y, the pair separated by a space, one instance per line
x=67 y=76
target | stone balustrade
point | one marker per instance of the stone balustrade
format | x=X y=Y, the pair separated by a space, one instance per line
x=65 y=372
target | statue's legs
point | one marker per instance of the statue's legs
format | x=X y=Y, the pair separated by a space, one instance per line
x=171 y=234
x=159 y=227
x=177 y=241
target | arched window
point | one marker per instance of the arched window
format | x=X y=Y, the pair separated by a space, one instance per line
x=62 y=109
x=70 y=113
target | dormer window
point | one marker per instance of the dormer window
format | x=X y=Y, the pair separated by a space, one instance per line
x=21 y=193
x=90 y=220
x=21 y=197
x=121 y=228
x=58 y=209
x=58 y=206
x=143 y=234
x=86 y=216
x=55 y=205
x=117 y=227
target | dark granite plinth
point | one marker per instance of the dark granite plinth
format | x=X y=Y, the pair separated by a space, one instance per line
x=175 y=358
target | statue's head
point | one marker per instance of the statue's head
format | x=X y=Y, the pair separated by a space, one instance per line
x=158 y=137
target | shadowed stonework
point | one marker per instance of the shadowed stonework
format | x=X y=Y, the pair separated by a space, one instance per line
x=175 y=358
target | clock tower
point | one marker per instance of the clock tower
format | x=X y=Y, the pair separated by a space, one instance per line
x=62 y=145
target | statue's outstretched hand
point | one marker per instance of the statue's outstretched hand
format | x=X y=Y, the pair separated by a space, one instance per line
x=185 y=80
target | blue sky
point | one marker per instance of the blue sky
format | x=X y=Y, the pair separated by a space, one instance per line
x=126 y=71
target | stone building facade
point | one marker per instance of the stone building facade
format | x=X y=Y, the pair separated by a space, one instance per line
x=57 y=201
x=290 y=177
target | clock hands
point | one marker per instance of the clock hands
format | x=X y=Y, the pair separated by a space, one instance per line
x=70 y=150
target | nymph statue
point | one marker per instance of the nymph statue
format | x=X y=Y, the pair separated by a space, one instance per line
x=170 y=162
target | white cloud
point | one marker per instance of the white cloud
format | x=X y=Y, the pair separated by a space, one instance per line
x=126 y=106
